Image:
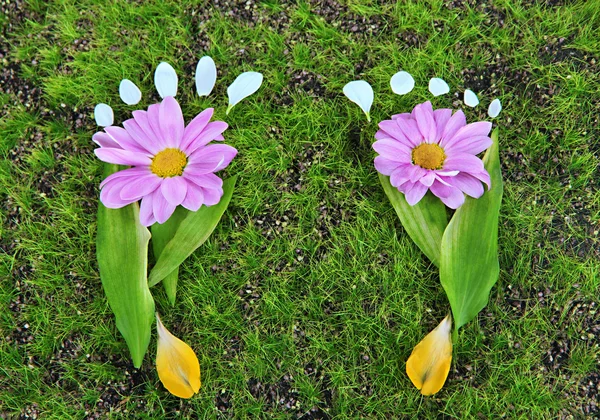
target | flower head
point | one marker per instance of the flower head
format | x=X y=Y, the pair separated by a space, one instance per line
x=429 y=363
x=172 y=164
x=433 y=150
x=176 y=363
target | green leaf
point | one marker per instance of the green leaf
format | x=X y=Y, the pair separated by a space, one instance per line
x=424 y=222
x=161 y=235
x=193 y=231
x=122 y=252
x=469 y=266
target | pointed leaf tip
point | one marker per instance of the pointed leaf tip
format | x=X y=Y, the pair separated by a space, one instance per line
x=494 y=108
x=470 y=98
x=206 y=76
x=243 y=86
x=438 y=86
x=402 y=83
x=361 y=93
x=165 y=80
x=104 y=116
x=129 y=92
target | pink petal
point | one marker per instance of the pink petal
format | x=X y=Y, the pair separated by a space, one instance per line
x=385 y=166
x=140 y=187
x=131 y=172
x=212 y=196
x=174 y=189
x=390 y=127
x=194 y=198
x=483 y=177
x=102 y=139
x=208 y=180
x=415 y=173
x=211 y=131
x=411 y=131
x=121 y=136
x=213 y=152
x=399 y=177
x=161 y=208
x=393 y=150
x=110 y=194
x=455 y=123
x=423 y=115
x=476 y=129
x=195 y=127
x=428 y=179
x=468 y=184
x=441 y=117
x=404 y=115
x=154 y=123
x=122 y=157
x=201 y=168
x=450 y=196
x=416 y=193
x=146 y=214
x=471 y=145
x=142 y=119
x=171 y=121
x=463 y=162
x=141 y=138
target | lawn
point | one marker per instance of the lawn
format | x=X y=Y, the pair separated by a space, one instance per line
x=309 y=297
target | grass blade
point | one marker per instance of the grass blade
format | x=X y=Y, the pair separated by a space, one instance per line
x=469 y=266
x=424 y=222
x=193 y=231
x=122 y=252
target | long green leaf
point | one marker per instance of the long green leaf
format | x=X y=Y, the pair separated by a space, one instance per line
x=193 y=231
x=469 y=266
x=122 y=252
x=161 y=235
x=424 y=222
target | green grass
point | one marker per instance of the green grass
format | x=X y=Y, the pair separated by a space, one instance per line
x=338 y=286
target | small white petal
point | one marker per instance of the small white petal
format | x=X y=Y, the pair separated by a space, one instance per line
x=243 y=86
x=402 y=83
x=103 y=114
x=206 y=76
x=471 y=99
x=129 y=92
x=361 y=93
x=438 y=87
x=495 y=108
x=165 y=80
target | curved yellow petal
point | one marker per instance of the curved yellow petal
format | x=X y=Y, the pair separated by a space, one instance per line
x=429 y=363
x=176 y=363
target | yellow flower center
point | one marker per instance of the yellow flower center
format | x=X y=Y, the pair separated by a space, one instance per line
x=168 y=163
x=428 y=156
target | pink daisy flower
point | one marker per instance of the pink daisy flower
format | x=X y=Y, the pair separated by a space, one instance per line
x=433 y=150
x=172 y=164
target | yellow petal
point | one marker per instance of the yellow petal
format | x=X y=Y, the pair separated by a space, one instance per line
x=176 y=363
x=429 y=363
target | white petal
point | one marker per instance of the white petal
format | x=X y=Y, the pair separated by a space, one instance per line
x=471 y=99
x=402 y=83
x=129 y=92
x=243 y=86
x=438 y=87
x=206 y=76
x=361 y=93
x=495 y=108
x=103 y=114
x=165 y=80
